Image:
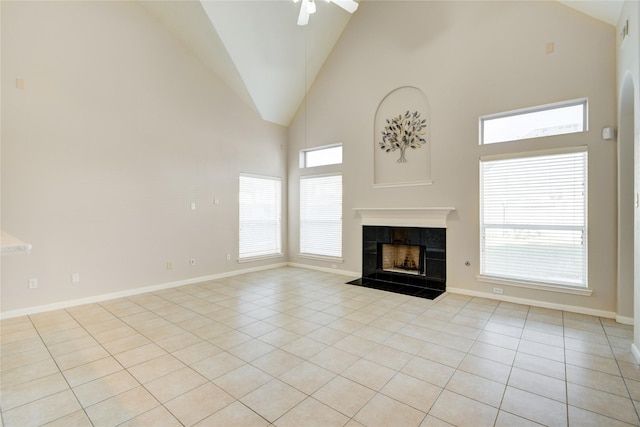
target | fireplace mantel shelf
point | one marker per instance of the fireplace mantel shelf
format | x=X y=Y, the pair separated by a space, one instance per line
x=405 y=217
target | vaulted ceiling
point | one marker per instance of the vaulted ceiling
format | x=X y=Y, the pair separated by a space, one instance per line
x=260 y=52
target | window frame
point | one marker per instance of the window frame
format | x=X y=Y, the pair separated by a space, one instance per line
x=277 y=206
x=539 y=108
x=582 y=289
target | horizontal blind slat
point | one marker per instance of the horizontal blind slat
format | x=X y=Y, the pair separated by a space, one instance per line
x=260 y=216
x=533 y=218
x=321 y=215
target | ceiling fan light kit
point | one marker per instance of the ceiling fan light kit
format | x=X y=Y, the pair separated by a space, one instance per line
x=308 y=7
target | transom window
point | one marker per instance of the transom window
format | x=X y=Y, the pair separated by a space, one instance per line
x=535 y=122
x=321 y=156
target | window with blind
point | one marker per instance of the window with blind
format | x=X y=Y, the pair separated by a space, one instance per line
x=321 y=215
x=260 y=216
x=533 y=217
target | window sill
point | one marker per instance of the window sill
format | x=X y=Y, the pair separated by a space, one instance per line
x=404 y=184
x=259 y=258
x=322 y=258
x=535 y=285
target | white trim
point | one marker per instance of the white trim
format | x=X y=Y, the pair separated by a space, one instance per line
x=535 y=285
x=543 y=107
x=322 y=258
x=105 y=297
x=253 y=175
x=624 y=320
x=259 y=258
x=535 y=153
x=353 y=274
x=404 y=184
x=534 y=303
x=635 y=352
x=405 y=217
x=319 y=175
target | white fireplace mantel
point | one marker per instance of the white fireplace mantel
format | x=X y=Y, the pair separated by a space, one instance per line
x=405 y=217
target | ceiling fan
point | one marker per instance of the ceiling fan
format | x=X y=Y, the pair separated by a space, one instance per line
x=308 y=7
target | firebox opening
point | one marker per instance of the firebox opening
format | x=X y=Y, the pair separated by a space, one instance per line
x=406 y=259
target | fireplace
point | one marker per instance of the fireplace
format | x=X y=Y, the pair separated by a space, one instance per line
x=407 y=260
x=403 y=258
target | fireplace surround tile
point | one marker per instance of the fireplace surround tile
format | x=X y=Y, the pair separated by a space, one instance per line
x=431 y=280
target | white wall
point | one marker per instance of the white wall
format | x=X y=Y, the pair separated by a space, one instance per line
x=470 y=59
x=118 y=130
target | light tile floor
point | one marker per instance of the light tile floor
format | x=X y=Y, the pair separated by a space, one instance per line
x=296 y=347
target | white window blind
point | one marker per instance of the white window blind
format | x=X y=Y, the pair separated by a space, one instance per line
x=260 y=216
x=321 y=215
x=533 y=218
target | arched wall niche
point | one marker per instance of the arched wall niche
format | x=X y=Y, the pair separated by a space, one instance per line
x=404 y=111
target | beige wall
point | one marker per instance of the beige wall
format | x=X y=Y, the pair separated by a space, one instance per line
x=628 y=90
x=628 y=125
x=470 y=59
x=118 y=130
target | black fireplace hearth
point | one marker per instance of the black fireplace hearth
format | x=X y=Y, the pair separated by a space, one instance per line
x=406 y=260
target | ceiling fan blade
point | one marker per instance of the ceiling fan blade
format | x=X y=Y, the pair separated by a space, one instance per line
x=348 y=5
x=303 y=17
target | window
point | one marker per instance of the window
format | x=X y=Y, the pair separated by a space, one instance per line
x=321 y=215
x=535 y=122
x=321 y=156
x=260 y=205
x=533 y=217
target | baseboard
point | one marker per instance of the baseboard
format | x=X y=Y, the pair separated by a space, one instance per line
x=161 y=286
x=130 y=292
x=353 y=274
x=536 y=303
x=624 y=320
x=635 y=352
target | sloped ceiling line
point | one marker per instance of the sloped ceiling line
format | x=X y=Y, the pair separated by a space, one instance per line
x=259 y=51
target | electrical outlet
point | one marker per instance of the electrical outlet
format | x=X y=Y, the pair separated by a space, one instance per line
x=33 y=283
x=497 y=290
x=75 y=277
x=193 y=261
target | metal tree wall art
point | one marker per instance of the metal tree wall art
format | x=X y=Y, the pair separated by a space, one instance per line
x=403 y=132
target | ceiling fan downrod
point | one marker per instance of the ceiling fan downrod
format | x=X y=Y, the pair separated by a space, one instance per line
x=308 y=7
